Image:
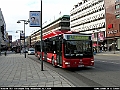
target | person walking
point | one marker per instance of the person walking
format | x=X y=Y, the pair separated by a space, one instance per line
x=110 y=48
x=5 y=51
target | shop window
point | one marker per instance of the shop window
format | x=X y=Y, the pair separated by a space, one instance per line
x=117 y=16
x=117 y=6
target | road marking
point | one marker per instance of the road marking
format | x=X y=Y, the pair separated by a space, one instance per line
x=109 y=54
x=108 y=62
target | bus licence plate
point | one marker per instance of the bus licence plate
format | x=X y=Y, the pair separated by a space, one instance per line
x=80 y=65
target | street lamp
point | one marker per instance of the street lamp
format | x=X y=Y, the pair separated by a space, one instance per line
x=41 y=39
x=25 y=22
x=20 y=38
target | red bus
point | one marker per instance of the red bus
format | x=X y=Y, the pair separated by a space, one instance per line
x=67 y=49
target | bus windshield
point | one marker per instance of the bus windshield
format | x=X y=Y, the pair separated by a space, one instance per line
x=78 y=48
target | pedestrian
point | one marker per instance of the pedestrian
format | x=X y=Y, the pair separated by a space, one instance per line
x=5 y=51
x=110 y=48
x=100 y=48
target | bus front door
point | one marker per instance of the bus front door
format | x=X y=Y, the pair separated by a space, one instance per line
x=59 y=52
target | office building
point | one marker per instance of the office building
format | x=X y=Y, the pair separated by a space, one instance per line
x=100 y=18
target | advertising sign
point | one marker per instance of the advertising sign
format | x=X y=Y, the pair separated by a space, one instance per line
x=34 y=18
x=22 y=36
x=10 y=38
x=101 y=36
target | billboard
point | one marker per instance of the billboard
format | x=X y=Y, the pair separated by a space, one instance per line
x=22 y=36
x=10 y=38
x=34 y=17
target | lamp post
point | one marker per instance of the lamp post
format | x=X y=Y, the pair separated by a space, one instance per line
x=25 y=22
x=20 y=38
x=41 y=39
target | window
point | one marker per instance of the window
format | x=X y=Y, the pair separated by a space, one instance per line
x=117 y=16
x=64 y=24
x=117 y=6
x=78 y=48
x=116 y=1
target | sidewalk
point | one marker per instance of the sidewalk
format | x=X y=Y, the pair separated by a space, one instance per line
x=17 y=71
x=115 y=53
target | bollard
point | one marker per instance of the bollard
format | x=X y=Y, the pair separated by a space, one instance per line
x=5 y=53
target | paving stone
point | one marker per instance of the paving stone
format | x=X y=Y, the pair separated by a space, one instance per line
x=17 y=71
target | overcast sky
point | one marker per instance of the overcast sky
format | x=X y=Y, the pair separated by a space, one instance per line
x=14 y=10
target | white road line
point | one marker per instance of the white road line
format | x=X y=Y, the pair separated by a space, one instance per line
x=108 y=62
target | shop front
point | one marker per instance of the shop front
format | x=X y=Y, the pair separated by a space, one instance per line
x=99 y=42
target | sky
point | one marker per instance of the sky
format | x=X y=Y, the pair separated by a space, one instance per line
x=14 y=10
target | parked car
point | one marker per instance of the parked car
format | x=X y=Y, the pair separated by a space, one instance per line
x=31 y=51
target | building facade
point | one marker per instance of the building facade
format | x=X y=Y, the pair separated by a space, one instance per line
x=2 y=31
x=10 y=42
x=95 y=16
x=113 y=23
x=62 y=23
x=35 y=36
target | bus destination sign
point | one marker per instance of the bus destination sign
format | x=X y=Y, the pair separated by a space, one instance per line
x=77 y=37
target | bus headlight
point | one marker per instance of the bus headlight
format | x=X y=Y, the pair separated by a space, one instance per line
x=67 y=62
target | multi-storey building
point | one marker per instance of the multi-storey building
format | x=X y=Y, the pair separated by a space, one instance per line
x=2 y=30
x=113 y=23
x=100 y=18
x=10 y=41
x=35 y=36
x=88 y=16
x=62 y=23
x=27 y=42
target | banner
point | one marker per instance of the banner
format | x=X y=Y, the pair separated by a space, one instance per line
x=101 y=36
x=34 y=18
x=22 y=36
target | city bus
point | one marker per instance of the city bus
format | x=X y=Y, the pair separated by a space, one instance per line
x=66 y=49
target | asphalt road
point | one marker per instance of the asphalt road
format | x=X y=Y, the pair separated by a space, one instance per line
x=105 y=73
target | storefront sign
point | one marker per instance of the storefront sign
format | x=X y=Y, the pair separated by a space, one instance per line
x=112 y=32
